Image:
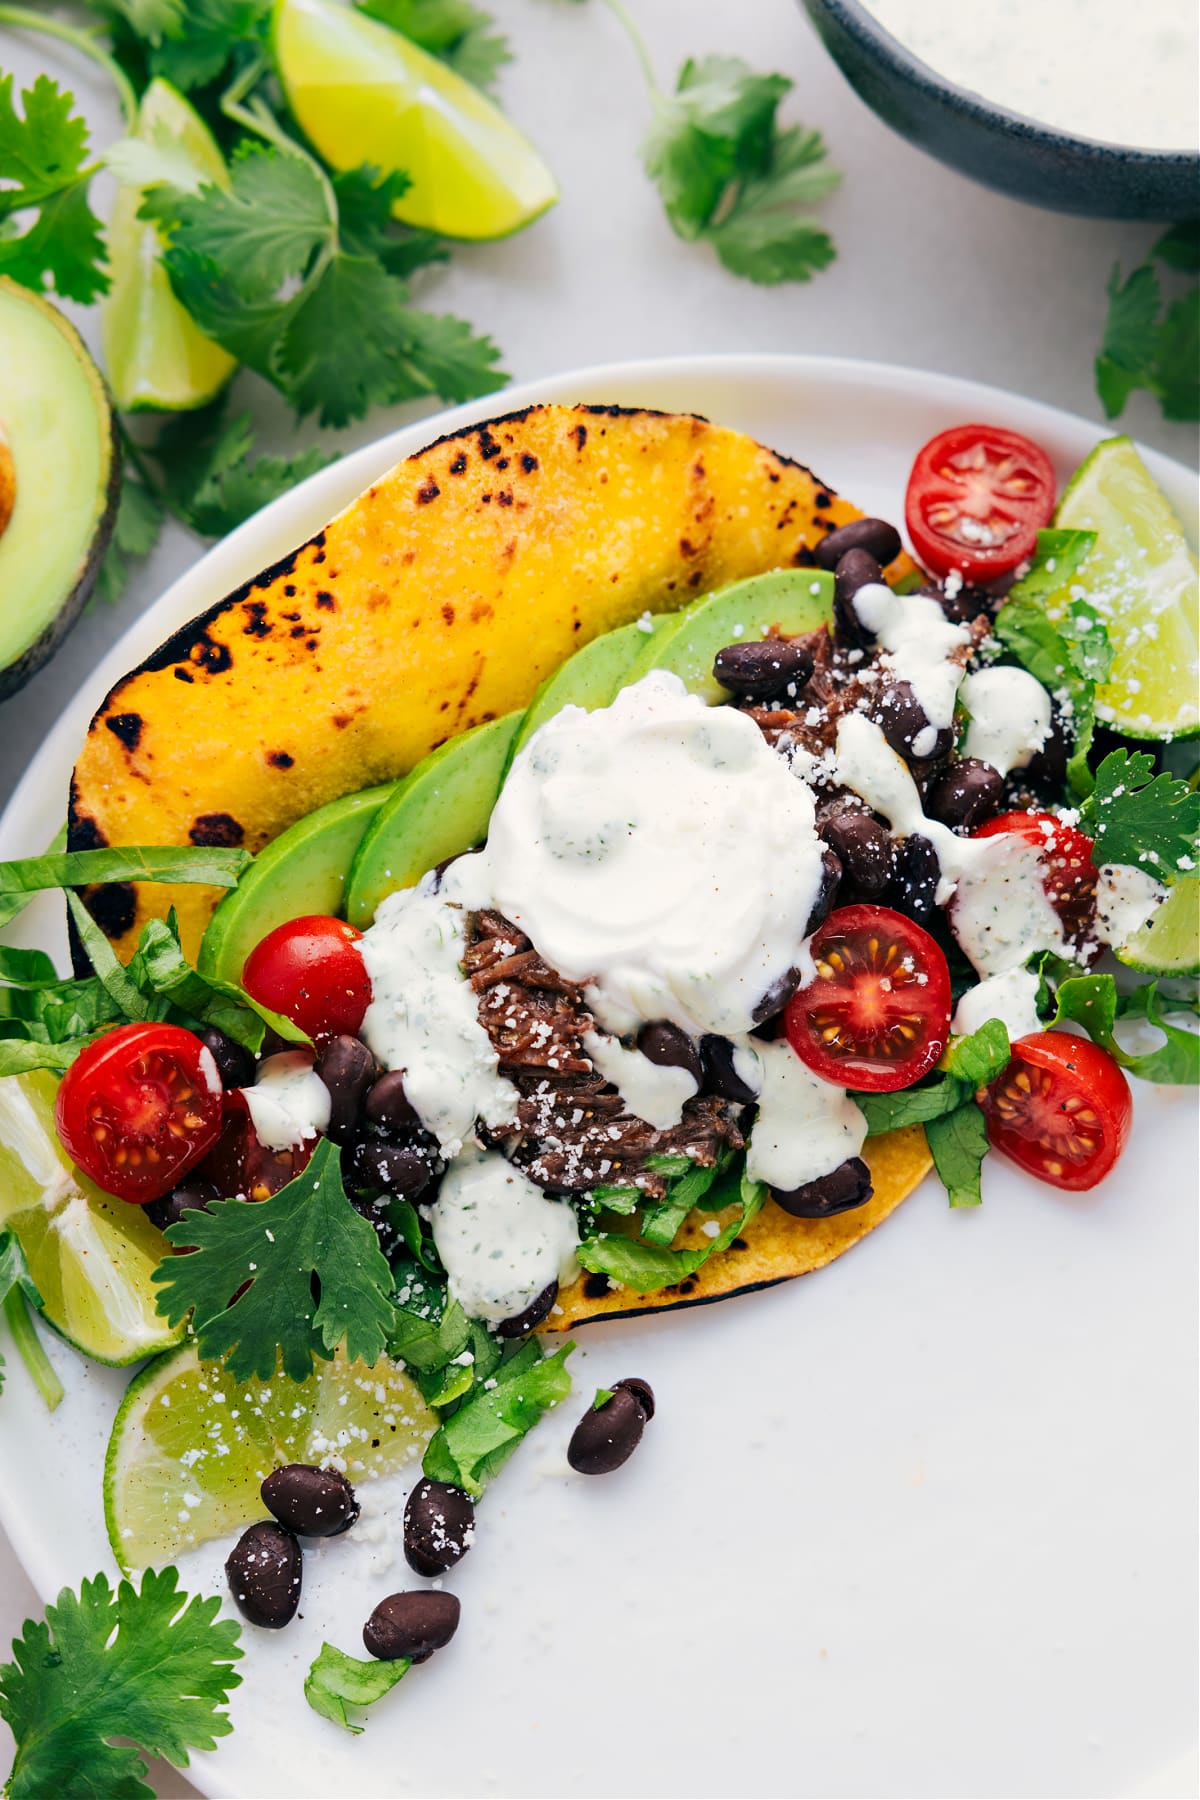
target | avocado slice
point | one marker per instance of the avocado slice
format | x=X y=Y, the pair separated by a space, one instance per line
x=439 y=810
x=60 y=480
x=592 y=676
x=788 y=601
x=303 y=870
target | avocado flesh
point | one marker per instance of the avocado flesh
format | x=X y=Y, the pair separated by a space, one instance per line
x=788 y=601
x=60 y=431
x=592 y=676
x=304 y=870
x=441 y=809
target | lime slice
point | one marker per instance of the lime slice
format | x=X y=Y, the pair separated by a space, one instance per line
x=364 y=94
x=190 y=1446
x=1141 y=580
x=91 y=1256
x=1170 y=943
x=156 y=358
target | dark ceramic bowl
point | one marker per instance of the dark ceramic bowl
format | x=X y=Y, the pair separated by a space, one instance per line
x=1017 y=155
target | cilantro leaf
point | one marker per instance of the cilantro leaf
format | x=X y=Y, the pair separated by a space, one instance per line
x=42 y=166
x=475 y=1443
x=135 y=533
x=460 y=34
x=209 y=477
x=1180 y=247
x=1151 y=821
x=1093 y=1002
x=154 y=1666
x=316 y=1277
x=336 y=1681
x=1177 y=359
x=1140 y=349
x=958 y=1144
x=262 y=231
x=764 y=235
x=1126 y=356
x=151 y=20
x=366 y=226
x=209 y=35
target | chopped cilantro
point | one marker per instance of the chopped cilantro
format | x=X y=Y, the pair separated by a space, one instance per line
x=1136 y=817
x=44 y=169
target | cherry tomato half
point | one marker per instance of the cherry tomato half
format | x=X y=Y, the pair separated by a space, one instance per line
x=1061 y=1110
x=1068 y=873
x=312 y=972
x=877 y=1017
x=977 y=498
x=140 y=1107
x=240 y=1166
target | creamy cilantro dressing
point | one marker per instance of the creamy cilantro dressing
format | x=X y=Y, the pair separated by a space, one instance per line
x=423 y=1018
x=1009 y=717
x=917 y=640
x=289 y=1103
x=805 y=1127
x=501 y=1240
x=1011 y=998
x=1126 y=900
x=1092 y=68
x=651 y=1091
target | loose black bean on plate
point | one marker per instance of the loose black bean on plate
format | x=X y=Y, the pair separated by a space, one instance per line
x=875 y=536
x=264 y=1573
x=964 y=795
x=439 y=1527
x=848 y=1186
x=720 y=1075
x=347 y=1068
x=865 y=849
x=763 y=668
x=314 y=1502
x=235 y=1065
x=663 y=1043
x=412 y=1624
x=641 y=1390
x=534 y=1313
x=607 y=1435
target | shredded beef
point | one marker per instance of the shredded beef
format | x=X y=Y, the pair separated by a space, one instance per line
x=573 y=1131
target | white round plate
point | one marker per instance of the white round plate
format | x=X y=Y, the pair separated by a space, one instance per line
x=923 y=1524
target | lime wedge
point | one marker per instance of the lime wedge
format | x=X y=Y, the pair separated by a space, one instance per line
x=190 y=1446
x=1170 y=943
x=362 y=93
x=156 y=358
x=1141 y=580
x=91 y=1256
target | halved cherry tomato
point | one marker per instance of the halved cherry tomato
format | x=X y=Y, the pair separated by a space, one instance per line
x=977 y=498
x=240 y=1166
x=312 y=972
x=877 y=1017
x=1069 y=875
x=139 y=1108
x=1061 y=1110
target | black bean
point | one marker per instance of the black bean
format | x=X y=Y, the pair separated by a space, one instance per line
x=1047 y=768
x=965 y=794
x=857 y=569
x=191 y=1196
x=387 y=1103
x=913 y=887
x=763 y=667
x=607 y=1435
x=439 y=1527
x=827 y=893
x=314 y=1502
x=412 y=1624
x=865 y=849
x=902 y=720
x=264 y=1571
x=534 y=1313
x=404 y=1169
x=235 y=1065
x=776 y=998
x=848 y=1186
x=876 y=536
x=347 y=1068
x=668 y=1046
x=720 y=1076
x=641 y=1390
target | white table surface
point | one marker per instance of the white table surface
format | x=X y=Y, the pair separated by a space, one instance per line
x=932 y=271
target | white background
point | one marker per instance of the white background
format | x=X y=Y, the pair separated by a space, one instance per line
x=932 y=271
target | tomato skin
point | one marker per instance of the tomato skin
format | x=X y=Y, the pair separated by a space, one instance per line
x=877 y=1017
x=240 y=1165
x=1061 y=1110
x=977 y=497
x=139 y=1108
x=312 y=972
x=1069 y=875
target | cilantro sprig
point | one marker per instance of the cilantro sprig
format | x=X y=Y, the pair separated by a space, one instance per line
x=1137 y=817
x=1148 y=345
x=108 y=1679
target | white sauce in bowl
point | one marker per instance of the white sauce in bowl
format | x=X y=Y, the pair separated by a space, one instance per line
x=1091 y=68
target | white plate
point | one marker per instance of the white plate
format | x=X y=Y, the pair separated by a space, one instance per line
x=922 y=1525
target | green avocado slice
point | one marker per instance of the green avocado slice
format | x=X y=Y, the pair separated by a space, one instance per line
x=592 y=676
x=439 y=810
x=60 y=479
x=302 y=871
x=789 y=601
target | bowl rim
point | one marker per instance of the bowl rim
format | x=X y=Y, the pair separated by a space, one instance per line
x=856 y=18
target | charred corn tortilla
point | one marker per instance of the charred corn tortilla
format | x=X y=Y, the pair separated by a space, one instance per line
x=439 y=599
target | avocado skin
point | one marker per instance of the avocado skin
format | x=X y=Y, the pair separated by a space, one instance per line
x=15 y=674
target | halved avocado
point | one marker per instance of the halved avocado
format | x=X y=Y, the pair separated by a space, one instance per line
x=60 y=468
x=592 y=676
x=440 y=809
x=303 y=870
x=785 y=600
